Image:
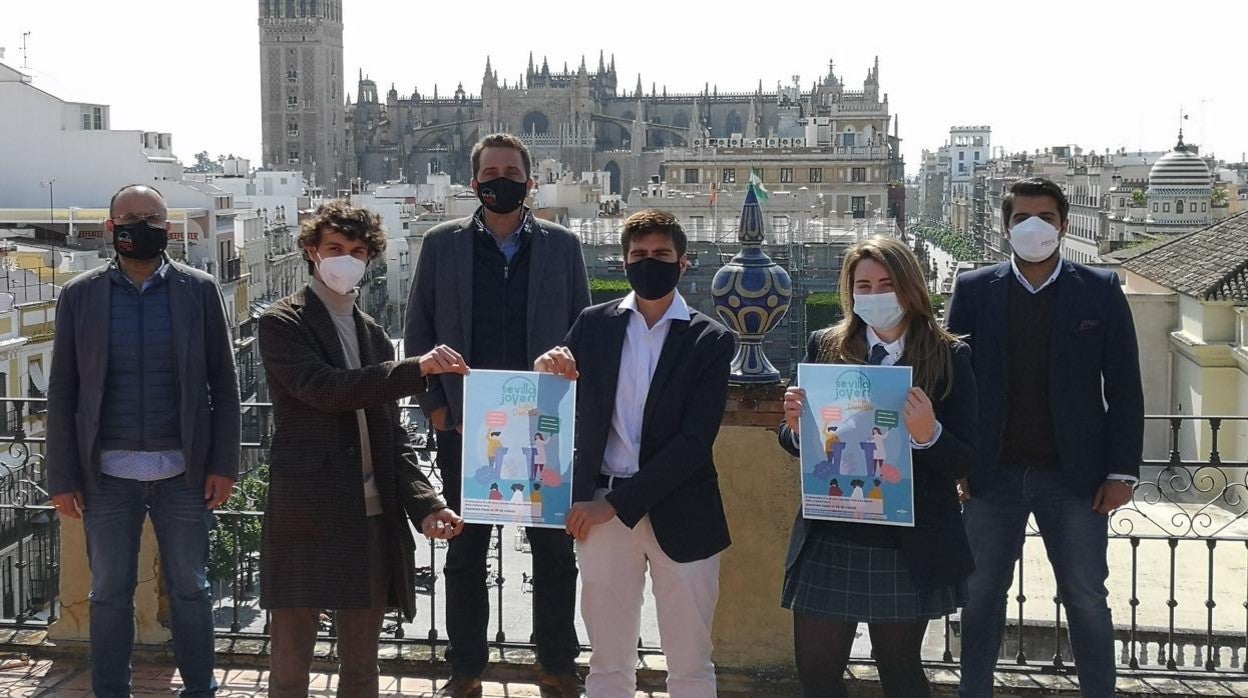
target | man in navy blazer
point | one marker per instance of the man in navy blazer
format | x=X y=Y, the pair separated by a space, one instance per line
x=1061 y=430
x=652 y=386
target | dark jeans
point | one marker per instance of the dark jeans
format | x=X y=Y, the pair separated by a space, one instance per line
x=113 y=521
x=467 y=600
x=358 y=632
x=1076 y=539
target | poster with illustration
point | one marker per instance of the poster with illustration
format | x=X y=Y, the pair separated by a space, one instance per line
x=518 y=438
x=855 y=449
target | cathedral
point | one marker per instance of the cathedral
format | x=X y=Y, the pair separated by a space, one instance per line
x=582 y=118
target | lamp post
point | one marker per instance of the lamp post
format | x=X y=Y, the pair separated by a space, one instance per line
x=49 y=183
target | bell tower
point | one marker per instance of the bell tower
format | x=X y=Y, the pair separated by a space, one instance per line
x=303 y=121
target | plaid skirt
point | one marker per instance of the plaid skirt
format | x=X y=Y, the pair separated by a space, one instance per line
x=841 y=580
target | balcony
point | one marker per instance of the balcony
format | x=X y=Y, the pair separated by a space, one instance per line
x=1177 y=555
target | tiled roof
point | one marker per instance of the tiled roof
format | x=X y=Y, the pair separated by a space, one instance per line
x=1210 y=264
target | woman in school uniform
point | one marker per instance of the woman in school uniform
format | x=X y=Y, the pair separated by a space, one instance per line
x=895 y=579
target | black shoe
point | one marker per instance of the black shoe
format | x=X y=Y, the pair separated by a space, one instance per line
x=460 y=687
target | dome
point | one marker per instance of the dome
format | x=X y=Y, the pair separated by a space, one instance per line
x=1179 y=168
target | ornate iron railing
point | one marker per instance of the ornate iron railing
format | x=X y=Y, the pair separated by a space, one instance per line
x=1179 y=560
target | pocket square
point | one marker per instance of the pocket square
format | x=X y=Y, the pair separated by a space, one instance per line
x=1088 y=325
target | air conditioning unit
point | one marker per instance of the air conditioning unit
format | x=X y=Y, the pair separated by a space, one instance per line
x=799 y=142
x=697 y=142
x=721 y=142
x=773 y=142
x=734 y=142
x=786 y=142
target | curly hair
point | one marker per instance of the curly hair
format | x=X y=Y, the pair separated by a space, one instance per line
x=340 y=216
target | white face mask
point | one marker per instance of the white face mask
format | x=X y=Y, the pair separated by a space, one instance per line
x=879 y=310
x=1034 y=240
x=342 y=273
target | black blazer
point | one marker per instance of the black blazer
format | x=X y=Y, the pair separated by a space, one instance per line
x=677 y=485
x=935 y=549
x=1096 y=398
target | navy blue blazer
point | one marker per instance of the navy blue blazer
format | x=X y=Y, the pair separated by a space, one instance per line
x=677 y=484
x=936 y=550
x=1096 y=398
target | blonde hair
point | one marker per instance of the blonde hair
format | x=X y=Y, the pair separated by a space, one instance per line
x=928 y=345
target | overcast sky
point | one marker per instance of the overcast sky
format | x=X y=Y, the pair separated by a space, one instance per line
x=1103 y=74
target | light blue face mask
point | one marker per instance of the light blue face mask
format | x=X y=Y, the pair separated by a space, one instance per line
x=879 y=310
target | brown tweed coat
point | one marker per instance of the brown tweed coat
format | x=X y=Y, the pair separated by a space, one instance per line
x=315 y=525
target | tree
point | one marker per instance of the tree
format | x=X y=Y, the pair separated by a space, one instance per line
x=237 y=535
x=1138 y=198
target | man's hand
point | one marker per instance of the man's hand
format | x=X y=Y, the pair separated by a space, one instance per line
x=586 y=515
x=70 y=504
x=964 y=490
x=558 y=361
x=443 y=523
x=794 y=400
x=217 y=489
x=442 y=359
x=1112 y=494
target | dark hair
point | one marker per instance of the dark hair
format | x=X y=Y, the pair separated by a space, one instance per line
x=653 y=220
x=340 y=216
x=537 y=486
x=877 y=482
x=1034 y=186
x=112 y=203
x=501 y=140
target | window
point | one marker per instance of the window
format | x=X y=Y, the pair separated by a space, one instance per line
x=858 y=204
x=1154 y=207
x=786 y=175
x=292 y=102
x=1178 y=206
x=961 y=168
x=848 y=139
x=758 y=172
x=730 y=175
x=816 y=174
x=976 y=156
x=1204 y=207
x=292 y=75
x=695 y=223
x=691 y=175
x=98 y=114
x=1165 y=208
x=86 y=122
x=292 y=155
x=961 y=155
x=858 y=174
x=1122 y=202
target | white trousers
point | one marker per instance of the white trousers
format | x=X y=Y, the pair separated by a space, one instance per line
x=613 y=560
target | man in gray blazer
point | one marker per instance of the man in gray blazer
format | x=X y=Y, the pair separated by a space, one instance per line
x=500 y=287
x=143 y=418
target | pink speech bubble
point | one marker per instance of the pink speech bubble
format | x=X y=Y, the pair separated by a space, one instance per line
x=831 y=414
x=496 y=418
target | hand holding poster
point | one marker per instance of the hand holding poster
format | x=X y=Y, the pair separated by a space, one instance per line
x=855 y=448
x=518 y=439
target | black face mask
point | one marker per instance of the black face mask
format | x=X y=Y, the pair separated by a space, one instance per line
x=140 y=240
x=502 y=195
x=652 y=278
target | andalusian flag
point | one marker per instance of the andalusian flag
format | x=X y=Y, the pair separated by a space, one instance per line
x=757 y=183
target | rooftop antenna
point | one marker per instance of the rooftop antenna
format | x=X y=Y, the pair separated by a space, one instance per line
x=25 y=63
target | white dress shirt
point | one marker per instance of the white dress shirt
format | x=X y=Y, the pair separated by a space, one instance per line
x=638 y=359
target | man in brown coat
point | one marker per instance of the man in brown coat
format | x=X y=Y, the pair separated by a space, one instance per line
x=343 y=480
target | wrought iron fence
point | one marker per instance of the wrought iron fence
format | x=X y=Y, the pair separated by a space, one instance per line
x=1178 y=580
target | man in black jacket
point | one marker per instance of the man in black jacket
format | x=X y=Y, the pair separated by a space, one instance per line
x=1061 y=430
x=500 y=287
x=653 y=384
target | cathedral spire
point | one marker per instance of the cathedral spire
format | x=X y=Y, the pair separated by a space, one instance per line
x=602 y=66
x=639 y=88
x=488 y=70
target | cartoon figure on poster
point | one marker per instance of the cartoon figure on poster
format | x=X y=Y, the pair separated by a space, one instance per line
x=856 y=463
x=518 y=439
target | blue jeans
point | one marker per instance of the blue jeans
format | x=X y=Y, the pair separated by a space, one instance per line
x=1076 y=539
x=115 y=511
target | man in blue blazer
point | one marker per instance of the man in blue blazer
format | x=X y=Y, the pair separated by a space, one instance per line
x=1061 y=430
x=652 y=379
